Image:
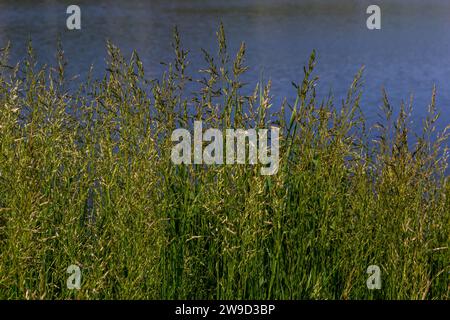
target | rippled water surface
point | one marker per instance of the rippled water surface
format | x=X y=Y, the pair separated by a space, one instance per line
x=408 y=55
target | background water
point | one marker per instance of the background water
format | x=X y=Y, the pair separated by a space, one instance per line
x=407 y=56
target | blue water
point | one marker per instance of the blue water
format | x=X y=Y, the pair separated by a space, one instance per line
x=407 y=56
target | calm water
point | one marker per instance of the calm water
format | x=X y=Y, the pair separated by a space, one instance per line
x=409 y=54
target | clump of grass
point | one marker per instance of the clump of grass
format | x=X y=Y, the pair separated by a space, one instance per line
x=86 y=178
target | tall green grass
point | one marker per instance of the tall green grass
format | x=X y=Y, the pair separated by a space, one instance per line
x=86 y=178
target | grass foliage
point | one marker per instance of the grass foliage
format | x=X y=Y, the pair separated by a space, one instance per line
x=86 y=178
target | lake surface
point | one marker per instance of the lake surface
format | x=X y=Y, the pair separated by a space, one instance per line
x=407 y=56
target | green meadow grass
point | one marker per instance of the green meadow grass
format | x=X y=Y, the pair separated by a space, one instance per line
x=86 y=178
